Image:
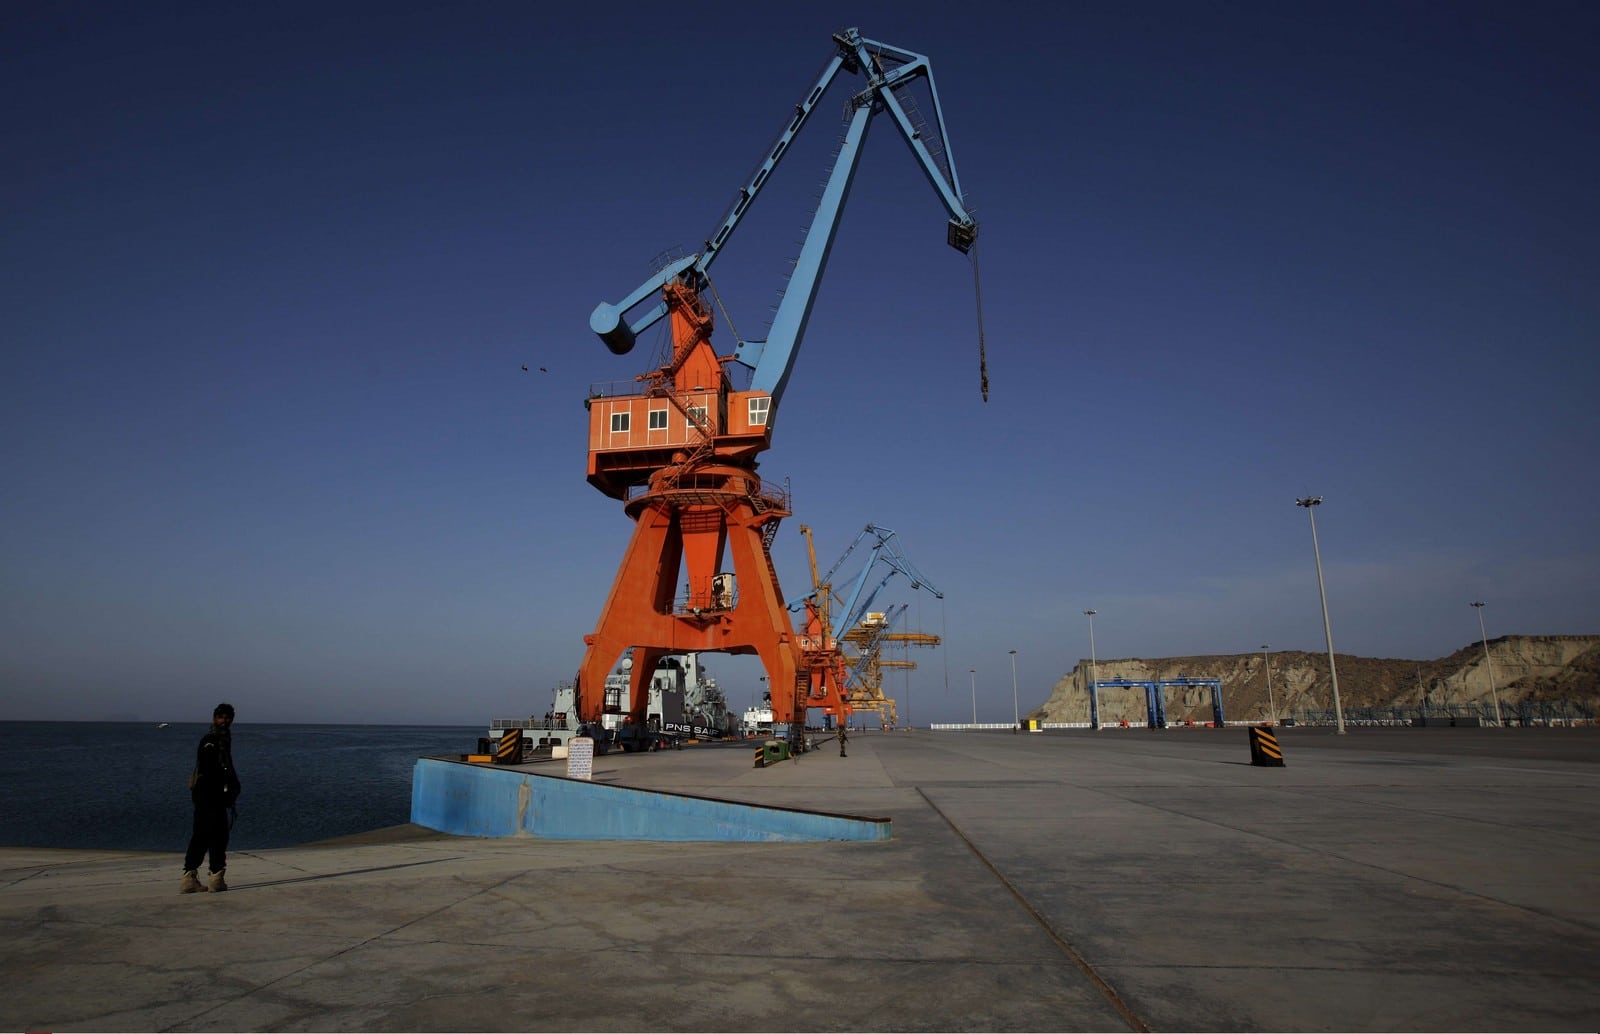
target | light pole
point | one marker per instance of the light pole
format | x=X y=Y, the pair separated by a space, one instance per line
x=1270 y=701
x=1094 y=672
x=1016 y=714
x=1327 y=630
x=1478 y=606
x=974 y=673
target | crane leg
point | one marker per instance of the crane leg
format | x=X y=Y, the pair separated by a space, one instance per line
x=764 y=620
x=645 y=659
x=641 y=611
x=635 y=596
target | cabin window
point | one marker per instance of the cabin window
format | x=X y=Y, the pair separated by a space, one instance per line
x=658 y=420
x=697 y=416
x=619 y=422
x=758 y=410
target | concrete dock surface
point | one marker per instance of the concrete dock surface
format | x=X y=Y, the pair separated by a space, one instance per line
x=1386 y=880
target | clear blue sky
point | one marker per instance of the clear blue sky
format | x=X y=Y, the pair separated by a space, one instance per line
x=271 y=273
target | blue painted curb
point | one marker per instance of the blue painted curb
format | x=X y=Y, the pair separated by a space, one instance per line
x=477 y=800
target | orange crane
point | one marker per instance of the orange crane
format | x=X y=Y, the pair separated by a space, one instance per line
x=678 y=446
x=860 y=679
x=824 y=666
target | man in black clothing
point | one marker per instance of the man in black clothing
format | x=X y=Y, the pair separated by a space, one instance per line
x=213 y=786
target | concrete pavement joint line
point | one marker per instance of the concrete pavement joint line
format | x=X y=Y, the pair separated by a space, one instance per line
x=1341 y=793
x=642 y=948
x=1324 y=853
x=1543 y=771
x=352 y=947
x=332 y=875
x=1101 y=984
x=1375 y=970
x=50 y=868
x=35 y=874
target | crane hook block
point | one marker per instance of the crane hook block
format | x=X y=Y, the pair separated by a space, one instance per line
x=607 y=322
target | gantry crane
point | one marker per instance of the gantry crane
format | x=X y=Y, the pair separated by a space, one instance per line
x=865 y=687
x=823 y=665
x=679 y=447
x=840 y=683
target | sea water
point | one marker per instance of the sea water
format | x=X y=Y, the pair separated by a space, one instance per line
x=124 y=785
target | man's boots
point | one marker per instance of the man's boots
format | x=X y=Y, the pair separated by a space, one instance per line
x=217 y=883
x=190 y=884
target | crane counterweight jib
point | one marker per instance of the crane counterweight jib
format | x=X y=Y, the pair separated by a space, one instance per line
x=610 y=322
x=607 y=322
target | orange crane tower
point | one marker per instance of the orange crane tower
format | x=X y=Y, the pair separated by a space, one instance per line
x=691 y=440
x=845 y=643
x=824 y=666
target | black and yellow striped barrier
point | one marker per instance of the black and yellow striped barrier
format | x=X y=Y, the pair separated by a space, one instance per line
x=1264 y=749
x=509 y=752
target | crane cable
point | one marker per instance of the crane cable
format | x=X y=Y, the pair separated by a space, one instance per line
x=944 y=655
x=725 y=313
x=983 y=359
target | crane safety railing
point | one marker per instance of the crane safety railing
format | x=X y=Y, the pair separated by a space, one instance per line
x=548 y=724
x=719 y=489
x=1525 y=713
x=616 y=389
x=933 y=141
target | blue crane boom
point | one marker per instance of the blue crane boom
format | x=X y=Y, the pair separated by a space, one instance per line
x=885 y=550
x=887 y=70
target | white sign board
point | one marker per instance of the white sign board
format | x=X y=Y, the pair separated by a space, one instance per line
x=580 y=757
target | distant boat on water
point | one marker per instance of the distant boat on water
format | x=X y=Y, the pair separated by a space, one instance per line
x=162 y=725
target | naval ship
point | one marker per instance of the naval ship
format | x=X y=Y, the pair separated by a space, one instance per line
x=685 y=704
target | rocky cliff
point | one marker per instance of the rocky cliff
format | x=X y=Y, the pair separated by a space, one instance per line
x=1553 y=667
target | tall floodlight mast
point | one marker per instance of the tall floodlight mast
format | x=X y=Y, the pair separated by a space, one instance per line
x=1308 y=503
